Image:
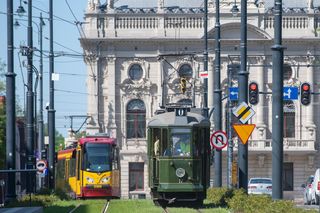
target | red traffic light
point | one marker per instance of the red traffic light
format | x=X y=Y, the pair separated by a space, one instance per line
x=253 y=86
x=305 y=87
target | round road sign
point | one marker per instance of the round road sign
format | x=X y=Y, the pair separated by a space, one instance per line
x=219 y=140
x=41 y=165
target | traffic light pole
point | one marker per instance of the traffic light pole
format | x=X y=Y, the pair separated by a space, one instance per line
x=277 y=104
x=51 y=111
x=243 y=97
x=217 y=98
x=10 y=107
x=30 y=105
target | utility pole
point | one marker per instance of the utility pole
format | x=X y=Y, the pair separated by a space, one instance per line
x=30 y=105
x=205 y=53
x=10 y=107
x=51 y=111
x=277 y=104
x=243 y=97
x=217 y=98
x=41 y=129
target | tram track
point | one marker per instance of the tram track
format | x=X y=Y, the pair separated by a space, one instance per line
x=105 y=208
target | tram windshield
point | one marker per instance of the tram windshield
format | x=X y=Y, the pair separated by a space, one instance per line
x=181 y=143
x=97 y=157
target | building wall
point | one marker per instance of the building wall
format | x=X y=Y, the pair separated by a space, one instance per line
x=160 y=40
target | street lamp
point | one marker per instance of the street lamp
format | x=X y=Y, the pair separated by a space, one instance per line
x=20 y=10
x=234 y=10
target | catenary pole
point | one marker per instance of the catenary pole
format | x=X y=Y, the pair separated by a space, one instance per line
x=205 y=53
x=51 y=111
x=30 y=105
x=217 y=98
x=277 y=104
x=243 y=96
x=10 y=106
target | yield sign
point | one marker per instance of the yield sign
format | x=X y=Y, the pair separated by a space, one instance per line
x=244 y=131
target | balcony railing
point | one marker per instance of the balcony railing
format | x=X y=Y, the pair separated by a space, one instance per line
x=288 y=145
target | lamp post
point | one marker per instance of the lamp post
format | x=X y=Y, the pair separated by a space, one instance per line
x=40 y=140
x=205 y=53
x=10 y=107
x=30 y=104
x=217 y=98
x=277 y=104
x=243 y=96
x=51 y=110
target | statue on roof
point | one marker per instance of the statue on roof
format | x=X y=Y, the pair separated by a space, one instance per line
x=110 y=4
x=160 y=4
x=310 y=4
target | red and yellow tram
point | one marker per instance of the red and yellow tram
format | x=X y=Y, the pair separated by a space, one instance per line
x=90 y=169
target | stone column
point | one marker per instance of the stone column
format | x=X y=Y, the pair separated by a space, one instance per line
x=92 y=126
x=109 y=94
x=308 y=117
x=260 y=116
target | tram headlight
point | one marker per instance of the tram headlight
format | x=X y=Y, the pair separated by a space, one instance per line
x=105 y=179
x=89 y=179
x=180 y=172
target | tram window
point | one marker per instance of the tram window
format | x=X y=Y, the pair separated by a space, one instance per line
x=181 y=141
x=97 y=157
x=164 y=141
x=156 y=141
x=72 y=167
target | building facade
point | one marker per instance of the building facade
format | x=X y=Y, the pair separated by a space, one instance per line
x=136 y=57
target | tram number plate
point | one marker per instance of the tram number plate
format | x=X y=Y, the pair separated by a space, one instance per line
x=98 y=186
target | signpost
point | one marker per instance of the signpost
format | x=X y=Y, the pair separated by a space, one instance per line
x=219 y=140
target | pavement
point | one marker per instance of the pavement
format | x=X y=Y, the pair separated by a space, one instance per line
x=22 y=210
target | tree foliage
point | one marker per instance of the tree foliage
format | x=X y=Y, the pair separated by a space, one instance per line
x=2 y=117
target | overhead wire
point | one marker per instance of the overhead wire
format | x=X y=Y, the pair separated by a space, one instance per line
x=82 y=35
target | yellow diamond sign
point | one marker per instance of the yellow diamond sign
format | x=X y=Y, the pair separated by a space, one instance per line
x=243 y=112
x=244 y=131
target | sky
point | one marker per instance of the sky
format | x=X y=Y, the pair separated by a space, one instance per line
x=70 y=89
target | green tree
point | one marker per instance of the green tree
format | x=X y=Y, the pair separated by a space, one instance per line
x=59 y=139
x=2 y=116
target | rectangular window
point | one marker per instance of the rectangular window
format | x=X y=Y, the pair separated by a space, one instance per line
x=136 y=176
x=287 y=178
x=288 y=124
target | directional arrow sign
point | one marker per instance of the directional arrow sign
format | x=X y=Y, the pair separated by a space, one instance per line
x=233 y=93
x=244 y=131
x=290 y=93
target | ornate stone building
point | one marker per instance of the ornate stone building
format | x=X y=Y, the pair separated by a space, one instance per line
x=136 y=56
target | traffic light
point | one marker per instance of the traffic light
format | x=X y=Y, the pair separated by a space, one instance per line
x=305 y=94
x=183 y=85
x=253 y=93
x=44 y=154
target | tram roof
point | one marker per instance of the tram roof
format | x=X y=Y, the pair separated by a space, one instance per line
x=170 y=119
x=96 y=139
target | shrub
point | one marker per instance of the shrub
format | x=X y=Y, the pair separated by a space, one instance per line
x=219 y=196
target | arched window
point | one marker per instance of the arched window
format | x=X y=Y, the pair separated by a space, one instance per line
x=287 y=72
x=288 y=119
x=185 y=71
x=135 y=72
x=136 y=119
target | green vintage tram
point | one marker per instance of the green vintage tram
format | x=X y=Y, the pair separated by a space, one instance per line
x=179 y=156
